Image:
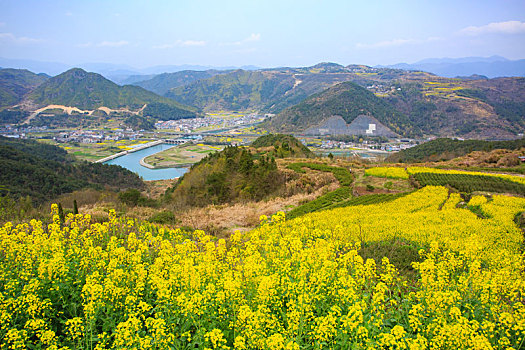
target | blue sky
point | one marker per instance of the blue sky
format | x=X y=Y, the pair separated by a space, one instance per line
x=264 y=33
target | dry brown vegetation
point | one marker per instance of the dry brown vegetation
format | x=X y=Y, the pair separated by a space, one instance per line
x=222 y=220
x=364 y=185
x=493 y=159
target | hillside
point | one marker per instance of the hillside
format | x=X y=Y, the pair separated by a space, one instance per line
x=228 y=176
x=446 y=149
x=268 y=90
x=281 y=146
x=239 y=90
x=473 y=108
x=347 y=100
x=78 y=88
x=162 y=83
x=417 y=270
x=16 y=83
x=44 y=171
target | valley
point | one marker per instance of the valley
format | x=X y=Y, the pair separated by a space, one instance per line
x=359 y=207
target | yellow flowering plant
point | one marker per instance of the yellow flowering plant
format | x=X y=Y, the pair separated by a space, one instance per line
x=288 y=284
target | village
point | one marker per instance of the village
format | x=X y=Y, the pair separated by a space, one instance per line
x=210 y=122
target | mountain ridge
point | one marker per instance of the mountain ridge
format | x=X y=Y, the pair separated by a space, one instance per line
x=85 y=90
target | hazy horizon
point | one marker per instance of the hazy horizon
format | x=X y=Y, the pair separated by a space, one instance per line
x=143 y=34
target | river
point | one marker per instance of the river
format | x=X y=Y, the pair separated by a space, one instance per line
x=131 y=161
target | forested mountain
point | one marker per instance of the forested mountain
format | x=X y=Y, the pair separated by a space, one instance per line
x=44 y=171
x=474 y=108
x=268 y=90
x=16 y=83
x=232 y=175
x=282 y=146
x=347 y=100
x=162 y=83
x=78 y=88
x=445 y=149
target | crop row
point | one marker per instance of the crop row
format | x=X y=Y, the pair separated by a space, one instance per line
x=288 y=284
x=370 y=199
x=323 y=202
x=470 y=183
x=388 y=172
x=343 y=175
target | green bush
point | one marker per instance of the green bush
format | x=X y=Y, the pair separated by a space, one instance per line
x=164 y=217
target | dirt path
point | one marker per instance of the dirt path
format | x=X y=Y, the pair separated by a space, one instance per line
x=70 y=110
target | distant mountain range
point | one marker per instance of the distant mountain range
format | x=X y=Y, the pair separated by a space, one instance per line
x=268 y=90
x=16 y=83
x=118 y=73
x=347 y=100
x=162 y=83
x=84 y=90
x=490 y=67
x=410 y=103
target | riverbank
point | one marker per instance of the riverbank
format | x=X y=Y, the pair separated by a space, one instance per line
x=149 y=166
x=132 y=161
x=123 y=153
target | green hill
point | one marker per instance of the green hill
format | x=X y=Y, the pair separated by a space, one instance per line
x=44 y=172
x=347 y=100
x=239 y=90
x=282 y=146
x=84 y=90
x=488 y=108
x=269 y=90
x=232 y=175
x=162 y=83
x=446 y=149
x=16 y=83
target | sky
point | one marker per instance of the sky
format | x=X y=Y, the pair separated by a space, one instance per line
x=267 y=33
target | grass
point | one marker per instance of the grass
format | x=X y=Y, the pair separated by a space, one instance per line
x=324 y=202
x=94 y=151
x=343 y=175
x=370 y=199
x=184 y=154
x=470 y=183
x=400 y=252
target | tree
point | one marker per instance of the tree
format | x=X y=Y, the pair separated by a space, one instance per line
x=75 y=207
x=61 y=213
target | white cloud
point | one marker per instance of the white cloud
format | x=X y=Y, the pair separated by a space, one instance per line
x=18 y=39
x=252 y=38
x=181 y=43
x=69 y=13
x=509 y=27
x=113 y=43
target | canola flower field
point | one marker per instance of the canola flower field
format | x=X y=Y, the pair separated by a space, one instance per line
x=401 y=173
x=288 y=284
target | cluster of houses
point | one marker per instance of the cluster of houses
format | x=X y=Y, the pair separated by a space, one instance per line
x=190 y=125
x=398 y=145
x=382 y=89
x=19 y=132
x=90 y=136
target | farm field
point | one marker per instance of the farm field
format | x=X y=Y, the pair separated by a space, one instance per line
x=180 y=155
x=94 y=151
x=449 y=280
